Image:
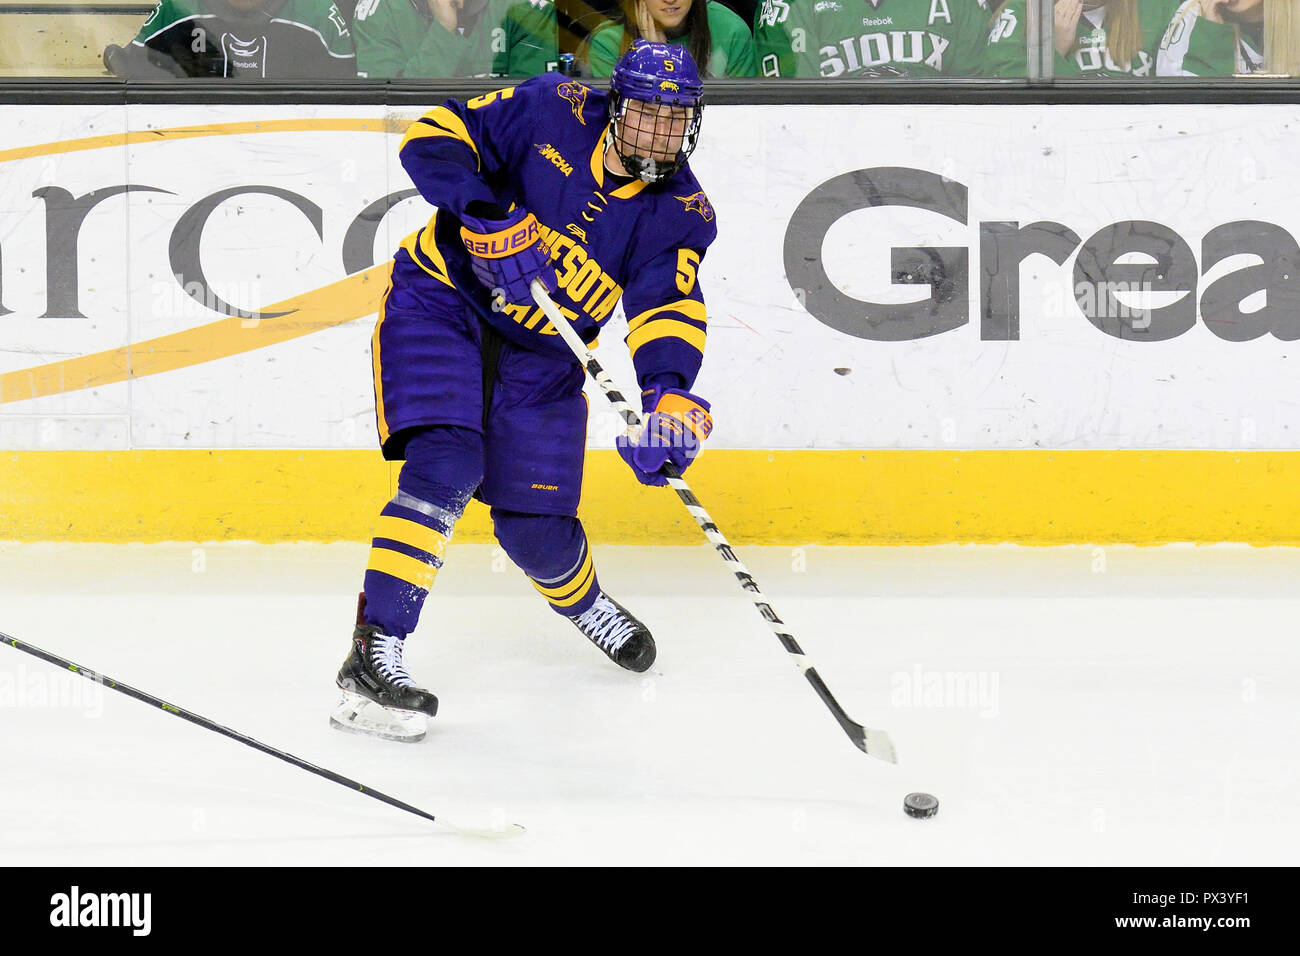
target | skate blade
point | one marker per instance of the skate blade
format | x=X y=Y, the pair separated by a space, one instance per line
x=359 y=715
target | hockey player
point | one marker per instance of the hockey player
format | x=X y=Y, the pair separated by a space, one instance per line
x=423 y=39
x=844 y=38
x=248 y=39
x=473 y=387
x=1230 y=37
x=1094 y=38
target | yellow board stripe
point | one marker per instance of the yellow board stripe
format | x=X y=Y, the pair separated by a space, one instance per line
x=403 y=567
x=410 y=532
x=850 y=497
x=691 y=308
x=335 y=304
x=567 y=588
x=172 y=134
x=663 y=328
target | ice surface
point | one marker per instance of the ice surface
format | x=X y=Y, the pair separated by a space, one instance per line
x=1066 y=705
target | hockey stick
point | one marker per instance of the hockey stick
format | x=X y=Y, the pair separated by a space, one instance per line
x=875 y=743
x=512 y=829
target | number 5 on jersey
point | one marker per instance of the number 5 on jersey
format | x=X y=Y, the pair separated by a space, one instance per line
x=687 y=262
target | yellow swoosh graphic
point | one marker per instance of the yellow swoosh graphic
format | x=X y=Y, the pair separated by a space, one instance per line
x=172 y=134
x=339 y=302
x=335 y=304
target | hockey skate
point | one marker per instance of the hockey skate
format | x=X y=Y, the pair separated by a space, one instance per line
x=379 y=697
x=612 y=628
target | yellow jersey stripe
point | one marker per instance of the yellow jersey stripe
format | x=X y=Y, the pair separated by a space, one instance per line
x=448 y=122
x=411 y=532
x=627 y=190
x=403 y=567
x=598 y=159
x=664 y=328
x=423 y=250
x=691 y=308
x=377 y=364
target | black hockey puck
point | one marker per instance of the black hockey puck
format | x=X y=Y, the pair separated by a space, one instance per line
x=920 y=805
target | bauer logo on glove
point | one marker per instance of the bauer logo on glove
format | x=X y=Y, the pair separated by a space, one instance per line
x=505 y=242
x=675 y=428
x=506 y=253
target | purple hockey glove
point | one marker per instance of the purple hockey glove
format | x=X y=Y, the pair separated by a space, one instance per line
x=677 y=424
x=506 y=254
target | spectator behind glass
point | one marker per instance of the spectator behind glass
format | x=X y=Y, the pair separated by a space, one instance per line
x=1094 y=39
x=844 y=38
x=1227 y=37
x=260 y=39
x=424 y=39
x=713 y=34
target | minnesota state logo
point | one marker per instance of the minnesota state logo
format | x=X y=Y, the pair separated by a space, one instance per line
x=697 y=202
x=576 y=94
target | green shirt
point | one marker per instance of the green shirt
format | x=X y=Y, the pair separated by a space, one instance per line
x=400 y=38
x=843 y=37
x=732 y=53
x=278 y=40
x=1194 y=46
x=1005 y=54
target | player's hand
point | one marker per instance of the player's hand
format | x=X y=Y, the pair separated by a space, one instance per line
x=1210 y=9
x=1066 y=26
x=447 y=12
x=507 y=255
x=645 y=22
x=676 y=426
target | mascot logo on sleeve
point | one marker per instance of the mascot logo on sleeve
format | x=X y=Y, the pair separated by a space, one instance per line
x=698 y=202
x=576 y=94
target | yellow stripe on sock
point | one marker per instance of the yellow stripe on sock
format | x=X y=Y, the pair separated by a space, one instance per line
x=577 y=595
x=566 y=588
x=411 y=532
x=403 y=567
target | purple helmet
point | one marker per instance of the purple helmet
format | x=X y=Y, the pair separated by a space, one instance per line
x=665 y=77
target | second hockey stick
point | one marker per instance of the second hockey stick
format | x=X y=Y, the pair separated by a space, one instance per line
x=875 y=743
x=512 y=829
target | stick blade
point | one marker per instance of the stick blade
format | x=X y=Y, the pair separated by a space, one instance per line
x=874 y=743
x=503 y=831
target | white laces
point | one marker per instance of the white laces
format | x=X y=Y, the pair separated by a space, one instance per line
x=386 y=655
x=605 y=624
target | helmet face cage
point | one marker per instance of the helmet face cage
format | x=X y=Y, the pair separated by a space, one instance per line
x=653 y=138
x=655 y=104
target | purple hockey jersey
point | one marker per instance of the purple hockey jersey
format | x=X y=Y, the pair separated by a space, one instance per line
x=540 y=145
